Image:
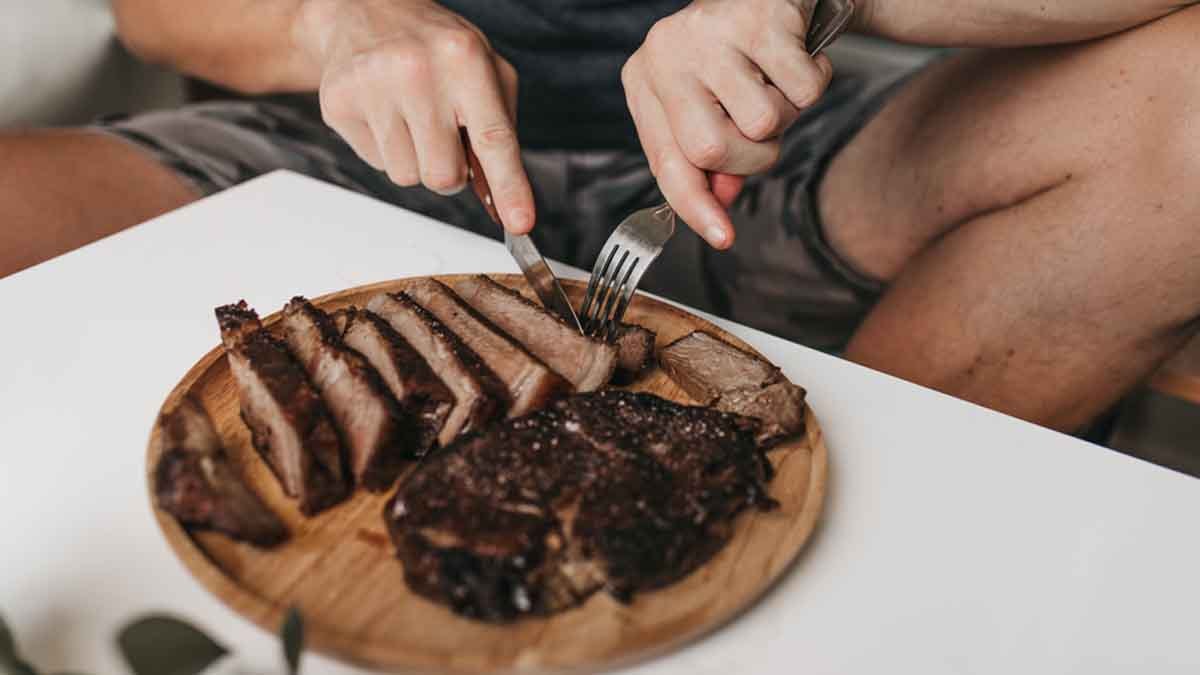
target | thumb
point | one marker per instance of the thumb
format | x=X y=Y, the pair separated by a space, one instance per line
x=726 y=187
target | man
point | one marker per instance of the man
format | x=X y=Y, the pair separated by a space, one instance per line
x=1018 y=227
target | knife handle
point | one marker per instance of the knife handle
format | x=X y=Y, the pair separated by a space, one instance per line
x=478 y=181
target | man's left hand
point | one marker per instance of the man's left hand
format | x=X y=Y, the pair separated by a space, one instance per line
x=712 y=89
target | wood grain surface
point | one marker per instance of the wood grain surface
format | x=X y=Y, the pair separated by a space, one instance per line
x=339 y=570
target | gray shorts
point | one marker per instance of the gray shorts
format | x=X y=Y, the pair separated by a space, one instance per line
x=780 y=276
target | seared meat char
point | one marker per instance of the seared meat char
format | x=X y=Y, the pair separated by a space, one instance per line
x=720 y=375
x=379 y=438
x=531 y=384
x=421 y=394
x=479 y=395
x=288 y=423
x=194 y=481
x=635 y=350
x=586 y=362
x=612 y=489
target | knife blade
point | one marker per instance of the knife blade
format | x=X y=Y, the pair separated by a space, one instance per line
x=535 y=268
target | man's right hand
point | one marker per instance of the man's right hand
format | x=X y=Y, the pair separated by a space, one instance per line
x=398 y=81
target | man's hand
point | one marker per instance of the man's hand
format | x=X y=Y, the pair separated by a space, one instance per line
x=398 y=80
x=712 y=89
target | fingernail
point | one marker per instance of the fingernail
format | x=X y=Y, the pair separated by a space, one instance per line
x=520 y=219
x=716 y=236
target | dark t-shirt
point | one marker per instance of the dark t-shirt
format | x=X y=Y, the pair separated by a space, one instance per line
x=568 y=54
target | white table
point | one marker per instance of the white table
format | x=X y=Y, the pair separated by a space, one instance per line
x=955 y=540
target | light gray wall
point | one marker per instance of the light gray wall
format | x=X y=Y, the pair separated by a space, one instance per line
x=60 y=63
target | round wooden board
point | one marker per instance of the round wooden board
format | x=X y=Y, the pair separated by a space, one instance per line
x=338 y=567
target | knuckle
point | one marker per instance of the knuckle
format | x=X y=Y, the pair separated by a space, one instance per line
x=442 y=180
x=497 y=137
x=766 y=123
x=459 y=44
x=708 y=152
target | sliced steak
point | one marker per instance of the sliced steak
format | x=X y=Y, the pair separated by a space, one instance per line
x=379 y=438
x=478 y=394
x=289 y=424
x=195 y=482
x=635 y=351
x=587 y=363
x=422 y=395
x=530 y=383
x=718 y=374
x=612 y=489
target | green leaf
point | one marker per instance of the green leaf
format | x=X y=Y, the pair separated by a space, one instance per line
x=161 y=645
x=292 y=635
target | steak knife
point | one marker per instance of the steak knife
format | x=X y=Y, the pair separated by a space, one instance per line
x=537 y=272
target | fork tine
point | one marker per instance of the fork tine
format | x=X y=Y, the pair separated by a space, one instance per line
x=598 y=270
x=628 y=288
x=606 y=296
x=620 y=295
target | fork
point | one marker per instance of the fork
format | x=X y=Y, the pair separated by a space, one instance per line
x=640 y=238
x=635 y=244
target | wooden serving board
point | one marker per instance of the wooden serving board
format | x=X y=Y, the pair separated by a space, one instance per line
x=339 y=570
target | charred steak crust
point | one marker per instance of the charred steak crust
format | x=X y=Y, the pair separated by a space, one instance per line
x=422 y=395
x=479 y=394
x=635 y=351
x=289 y=425
x=587 y=363
x=531 y=384
x=614 y=489
x=378 y=435
x=717 y=374
x=194 y=481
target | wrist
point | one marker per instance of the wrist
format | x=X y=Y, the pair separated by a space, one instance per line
x=312 y=27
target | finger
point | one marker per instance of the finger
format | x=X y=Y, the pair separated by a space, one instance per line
x=434 y=131
x=509 y=84
x=705 y=133
x=684 y=186
x=760 y=111
x=484 y=110
x=396 y=148
x=725 y=187
x=339 y=110
x=797 y=75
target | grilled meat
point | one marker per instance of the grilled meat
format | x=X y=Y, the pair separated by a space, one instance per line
x=531 y=384
x=289 y=425
x=195 y=482
x=379 y=438
x=635 y=351
x=479 y=395
x=720 y=375
x=422 y=395
x=613 y=489
x=586 y=362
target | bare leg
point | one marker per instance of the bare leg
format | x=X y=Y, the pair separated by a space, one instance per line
x=1039 y=214
x=60 y=190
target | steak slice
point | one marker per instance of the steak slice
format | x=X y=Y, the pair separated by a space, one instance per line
x=612 y=489
x=195 y=482
x=720 y=375
x=635 y=350
x=586 y=362
x=289 y=426
x=422 y=395
x=530 y=383
x=479 y=395
x=378 y=436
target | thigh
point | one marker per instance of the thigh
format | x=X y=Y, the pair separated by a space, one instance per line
x=62 y=189
x=1047 y=222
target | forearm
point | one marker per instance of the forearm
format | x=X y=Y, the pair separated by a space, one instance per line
x=1005 y=23
x=245 y=45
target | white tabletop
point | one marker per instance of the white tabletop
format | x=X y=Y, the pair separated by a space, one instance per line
x=955 y=540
